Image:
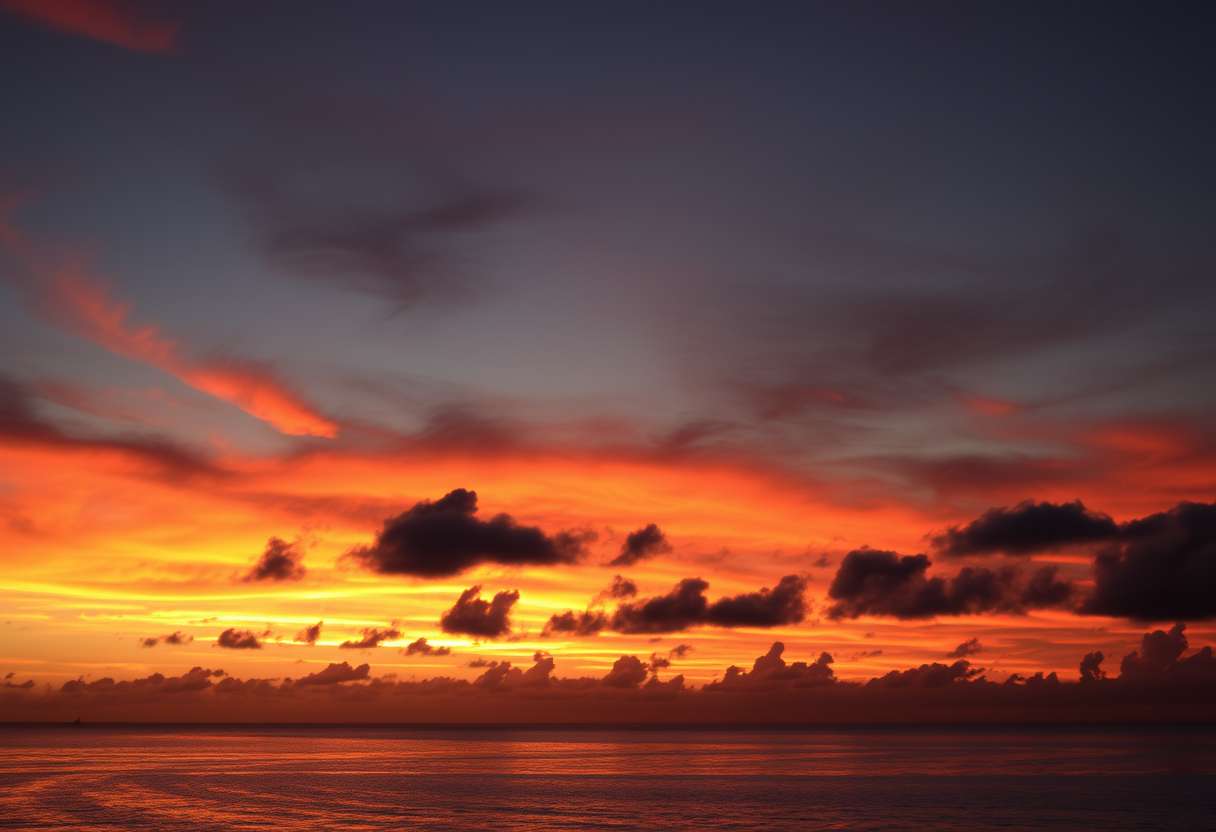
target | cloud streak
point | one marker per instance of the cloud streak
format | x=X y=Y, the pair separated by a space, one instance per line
x=109 y=21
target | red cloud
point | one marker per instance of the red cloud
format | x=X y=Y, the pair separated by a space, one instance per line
x=110 y=21
x=82 y=304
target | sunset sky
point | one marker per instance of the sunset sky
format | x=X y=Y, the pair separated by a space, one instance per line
x=331 y=313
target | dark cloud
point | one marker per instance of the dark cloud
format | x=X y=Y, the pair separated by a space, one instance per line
x=303 y=181
x=1045 y=589
x=176 y=637
x=680 y=651
x=1160 y=660
x=309 y=635
x=783 y=604
x=876 y=582
x=1026 y=528
x=644 y=543
x=771 y=671
x=686 y=606
x=1091 y=667
x=968 y=648
x=1162 y=568
x=586 y=623
x=626 y=672
x=621 y=587
x=235 y=639
x=280 y=561
x=420 y=647
x=148 y=687
x=472 y=616
x=501 y=676
x=446 y=537
x=1164 y=680
x=336 y=673
x=372 y=638
x=933 y=675
x=658 y=662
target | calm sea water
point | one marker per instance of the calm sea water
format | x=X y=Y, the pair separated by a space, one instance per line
x=331 y=778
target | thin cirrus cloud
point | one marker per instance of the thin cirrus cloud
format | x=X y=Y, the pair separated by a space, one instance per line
x=309 y=209
x=109 y=21
x=83 y=305
x=75 y=299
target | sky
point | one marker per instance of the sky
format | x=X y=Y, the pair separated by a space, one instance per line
x=413 y=348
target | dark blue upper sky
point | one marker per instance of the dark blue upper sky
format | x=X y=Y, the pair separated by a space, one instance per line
x=808 y=228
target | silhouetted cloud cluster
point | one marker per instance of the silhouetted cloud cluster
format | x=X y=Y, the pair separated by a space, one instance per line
x=176 y=637
x=686 y=606
x=446 y=537
x=1162 y=680
x=235 y=639
x=586 y=623
x=1159 y=660
x=877 y=582
x=1155 y=568
x=934 y=675
x=193 y=680
x=626 y=672
x=772 y=671
x=420 y=647
x=473 y=616
x=644 y=543
x=1162 y=567
x=310 y=634
x=336 y=673
x=372 y=637
x=280 y=561
x=968 y=648
x=1026 y=528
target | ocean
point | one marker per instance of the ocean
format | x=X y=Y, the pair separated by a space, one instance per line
x=289 y=778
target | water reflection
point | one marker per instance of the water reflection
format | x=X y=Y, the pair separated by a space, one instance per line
x=378 y=778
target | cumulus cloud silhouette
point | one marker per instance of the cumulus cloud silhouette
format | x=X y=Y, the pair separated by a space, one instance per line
x=235 y=639
x=310 y=634
x=420 y=647
x=473 y=616
x=1026 y=528
x=280 y=561
x=446 y=537
x=877 y=582
x=336 y=673
x=646 y=542
x=372 y=637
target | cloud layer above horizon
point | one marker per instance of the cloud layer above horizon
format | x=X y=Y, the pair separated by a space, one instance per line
x=389 y=376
